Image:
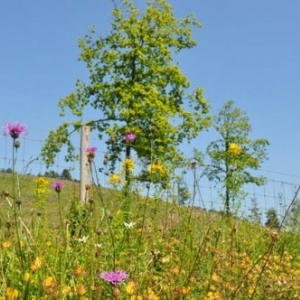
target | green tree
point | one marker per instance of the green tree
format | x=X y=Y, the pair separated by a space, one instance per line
x=234 y=154
x=66 y=175
x=51 y=174
x=255 y=212
x=136 y=86
x=183 y=193
x=292 y=221
x=272 y=218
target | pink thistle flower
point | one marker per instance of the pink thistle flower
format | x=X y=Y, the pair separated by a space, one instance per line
x=129 y=136
x=114 y=277
x=91 y=153
x=14 y=129
x=91 y=150
x=57 y=186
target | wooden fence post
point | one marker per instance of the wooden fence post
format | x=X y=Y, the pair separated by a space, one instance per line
x=84 y=164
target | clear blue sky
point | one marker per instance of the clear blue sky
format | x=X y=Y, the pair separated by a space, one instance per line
x=248 y=51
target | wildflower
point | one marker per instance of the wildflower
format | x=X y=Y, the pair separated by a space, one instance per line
x=11 y=293
x=6 y=244
x=131 y=287
x=26 y=277
x=114 y=277
x=91 y=150
x=213 y=296
x=80 y=271
x=14 y=129
x=129 y=225
x=49 y=282
x=41 y=186
x=156 y=168
x=129 y=137
x=91 y=153
x=57 y=186
x=41 y=181
x=17 y=144
x=80 y=289
x=151 y=295
x=36 y=264
x=83 y=239
x=65 y=290
x=234 y=149
x=114 y=179
x=128 y=164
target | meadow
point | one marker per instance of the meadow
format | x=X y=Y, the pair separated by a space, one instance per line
x=122 y=245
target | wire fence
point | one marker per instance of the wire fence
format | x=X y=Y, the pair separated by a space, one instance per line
x=277 y=192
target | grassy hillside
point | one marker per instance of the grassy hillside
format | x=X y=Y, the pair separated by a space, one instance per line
x=154 y=249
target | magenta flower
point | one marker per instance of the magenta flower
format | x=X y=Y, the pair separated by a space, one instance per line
x=14 y=129
x=57 y=186
x=129 y=137
x=114 y=277
x=91 y=153
x=91 y=150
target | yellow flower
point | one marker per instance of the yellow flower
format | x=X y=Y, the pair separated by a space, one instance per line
x=156 y=168
x=80 y=289
x=128 y=165
x=151 y=295
x=66 y=290
x=6 y=244
x=41 y=181
x=49 y=282
x=131 y=287
x=186 y=290
x=114 y=179
x=41 y=186
x=11 y=293
x=213 y=296
x=26 y=277
x=36 y=264
x=234 y=149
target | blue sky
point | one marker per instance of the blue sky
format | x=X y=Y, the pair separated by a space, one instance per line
x=247 y=51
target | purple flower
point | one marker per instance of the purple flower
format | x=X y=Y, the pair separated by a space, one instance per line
x=129 y=136
x=91 y=150
x=91 y=153
x=114 y=277
x=58 y=185
x=14 y=129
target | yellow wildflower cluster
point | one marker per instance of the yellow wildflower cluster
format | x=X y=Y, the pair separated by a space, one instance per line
x=234 y=149
x=213 y=296
x=11 y=293
x=41 y=186
x=26 y=277
x=36 y=264
x=80 y=289
x=114 y=179
x=49 y=282
x=6 y=244
x=131 y=289
x=128 y=165
x=157 y=168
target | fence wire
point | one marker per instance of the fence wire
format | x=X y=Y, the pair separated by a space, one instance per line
x=277 y=192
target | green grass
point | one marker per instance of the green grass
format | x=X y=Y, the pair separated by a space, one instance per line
x=168 y=251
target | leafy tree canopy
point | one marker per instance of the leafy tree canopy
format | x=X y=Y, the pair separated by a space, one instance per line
x=234 y=154
x=135 y=85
